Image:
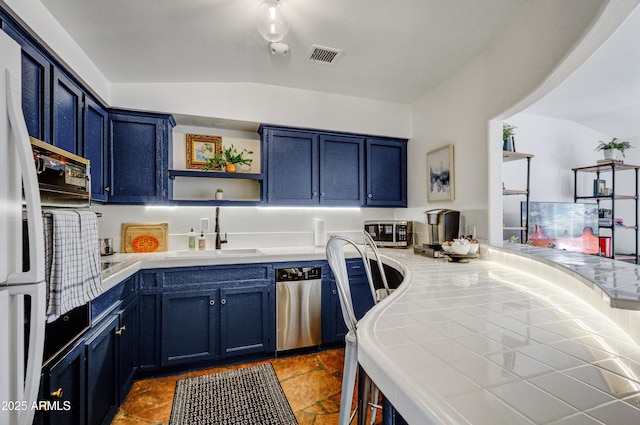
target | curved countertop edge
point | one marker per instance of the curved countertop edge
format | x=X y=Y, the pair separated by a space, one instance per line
x=418 y=404
x=591 y=269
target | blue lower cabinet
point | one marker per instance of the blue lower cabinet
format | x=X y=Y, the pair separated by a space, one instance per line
x=389 y=414
x=149 y=337
x=334 y=328
x=245 y=325
x=111 y=361
x=128 y=335
x=102 y=372
x=64 y=389
x=189 y=331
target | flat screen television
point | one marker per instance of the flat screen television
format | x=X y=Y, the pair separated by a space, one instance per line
x=563 y=225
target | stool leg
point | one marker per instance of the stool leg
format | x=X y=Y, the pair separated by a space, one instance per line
x=348 y=381
x=364 y=389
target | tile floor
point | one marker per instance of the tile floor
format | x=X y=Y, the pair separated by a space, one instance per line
x=311 y=383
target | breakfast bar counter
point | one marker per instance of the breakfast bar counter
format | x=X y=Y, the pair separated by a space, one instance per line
x=503 y=339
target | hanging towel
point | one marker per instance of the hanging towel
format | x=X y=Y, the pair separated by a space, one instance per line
x=72 y=260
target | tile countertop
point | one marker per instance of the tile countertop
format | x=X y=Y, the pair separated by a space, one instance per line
x=118 y=267
x=499 y=341
x=619 y=280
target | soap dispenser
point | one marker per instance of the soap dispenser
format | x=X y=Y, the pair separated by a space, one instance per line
x=192 y=240
x=202 y=242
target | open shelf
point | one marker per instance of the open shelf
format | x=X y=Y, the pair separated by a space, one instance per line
x=215 y=175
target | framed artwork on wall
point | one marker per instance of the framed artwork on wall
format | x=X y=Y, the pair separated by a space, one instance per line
x=440 y=174
x=200 y=148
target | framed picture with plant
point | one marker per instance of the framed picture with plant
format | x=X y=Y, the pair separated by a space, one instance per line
x=201 y=148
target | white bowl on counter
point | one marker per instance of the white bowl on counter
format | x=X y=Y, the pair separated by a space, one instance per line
x=460 y=247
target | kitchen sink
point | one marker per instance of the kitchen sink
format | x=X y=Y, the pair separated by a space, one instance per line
x=240 y=251
x=212 y=253
x=190 y=253
x=108 y=264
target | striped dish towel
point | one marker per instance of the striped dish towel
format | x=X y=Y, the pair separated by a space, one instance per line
x=72 y=260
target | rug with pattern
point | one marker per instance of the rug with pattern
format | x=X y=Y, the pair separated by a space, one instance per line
x=250 y=395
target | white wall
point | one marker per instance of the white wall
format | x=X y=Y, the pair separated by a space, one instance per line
x=34 y=16
x=266 y=104
x=527 y=61
x=559 y=146
x=246 y=226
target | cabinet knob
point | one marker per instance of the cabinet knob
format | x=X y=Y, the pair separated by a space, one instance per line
x=107 y=189
x=57 y=393
x=223 y=301
x=334 y=292
x=322 y=194
x=370 y=195
x=122 y=329
x=212 y=302
x=315 y=194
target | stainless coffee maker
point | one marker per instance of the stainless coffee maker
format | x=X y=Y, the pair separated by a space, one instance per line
x=442 y=226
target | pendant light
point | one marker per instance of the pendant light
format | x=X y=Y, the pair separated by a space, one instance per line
x=271 y=21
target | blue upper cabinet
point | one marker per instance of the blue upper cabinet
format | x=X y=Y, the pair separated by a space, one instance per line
x=386 y=173
x=36 y=86
x=341 y=170
x=292 y=170
x=95 y=124
x=309 y=167
x=67 y=113
x=141 y=155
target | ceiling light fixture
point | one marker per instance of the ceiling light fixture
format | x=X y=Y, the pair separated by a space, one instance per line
x=273 y=25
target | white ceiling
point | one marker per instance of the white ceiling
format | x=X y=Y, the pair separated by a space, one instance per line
x=604 y=93
x=393 y=50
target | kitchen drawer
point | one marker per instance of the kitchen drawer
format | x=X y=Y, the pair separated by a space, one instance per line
x=107 y=301
x=218 y=274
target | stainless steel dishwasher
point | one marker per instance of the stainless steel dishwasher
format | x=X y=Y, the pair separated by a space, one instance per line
x=298 y=307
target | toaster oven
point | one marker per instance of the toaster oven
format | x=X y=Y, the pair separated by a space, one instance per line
x=390 y=233
x=63 y=178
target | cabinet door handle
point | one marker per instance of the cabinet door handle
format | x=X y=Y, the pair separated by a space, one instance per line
x=223 y=301
x=57 y=393
x=212 y=302
x=370 y=195
x=107 y=189
x=122 y=329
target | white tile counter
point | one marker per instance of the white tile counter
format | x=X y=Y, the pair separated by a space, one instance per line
x=501 y=342
x=118 y=267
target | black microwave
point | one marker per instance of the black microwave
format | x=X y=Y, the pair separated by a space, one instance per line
x=390 y=233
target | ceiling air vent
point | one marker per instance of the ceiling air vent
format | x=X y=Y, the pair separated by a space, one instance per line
x=324 y=55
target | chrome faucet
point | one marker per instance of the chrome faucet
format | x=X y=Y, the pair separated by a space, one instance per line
x=219 y=241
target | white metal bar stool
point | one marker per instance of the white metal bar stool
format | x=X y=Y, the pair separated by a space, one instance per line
x=337 y=262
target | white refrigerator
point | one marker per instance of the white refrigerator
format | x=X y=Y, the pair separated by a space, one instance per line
x=20 y=363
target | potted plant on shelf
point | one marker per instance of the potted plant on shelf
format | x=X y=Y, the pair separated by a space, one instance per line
x=232 y=158
x=612 y=148
x=508 y=131
x=219 y=194
x=216 y=162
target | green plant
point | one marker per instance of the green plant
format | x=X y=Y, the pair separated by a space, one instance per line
x=215 y=162
x=232 y=156
x=219 y=190
x=507 y=130
x=615 y=144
